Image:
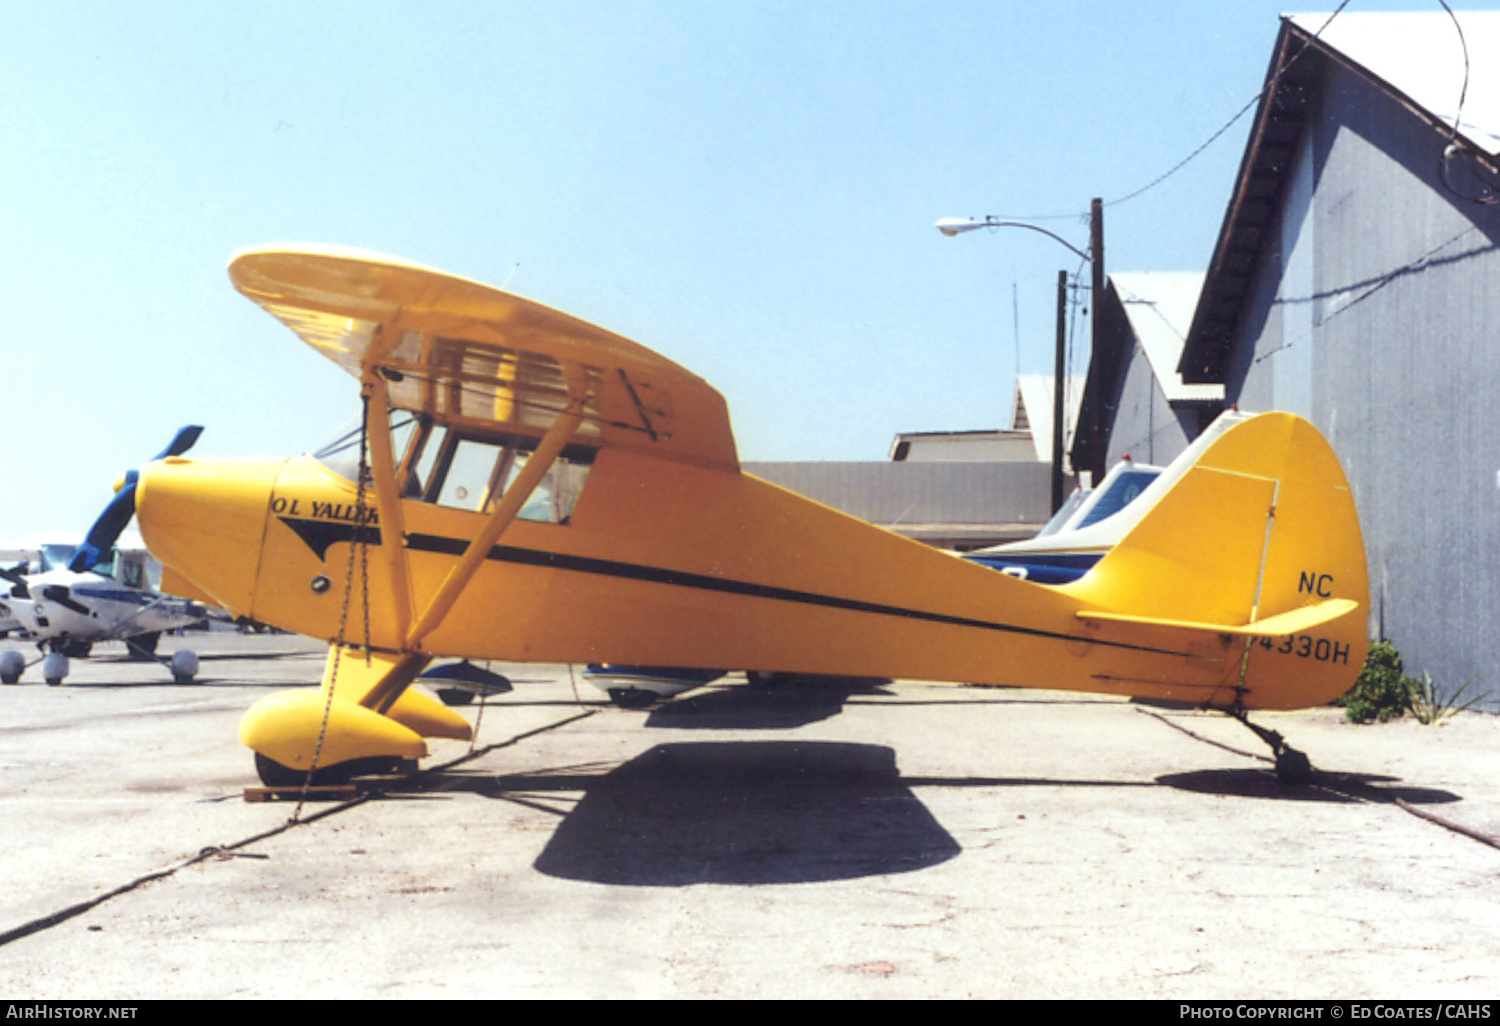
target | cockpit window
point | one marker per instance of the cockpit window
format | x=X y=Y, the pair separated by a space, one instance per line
x=464 y=469
x=57 y=557
x=132 y=573
x=1122 y=491
x=1064 y=513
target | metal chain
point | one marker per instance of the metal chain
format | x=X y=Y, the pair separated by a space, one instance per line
x=356 y=542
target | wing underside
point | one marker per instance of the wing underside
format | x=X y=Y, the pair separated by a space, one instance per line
x=471 y=355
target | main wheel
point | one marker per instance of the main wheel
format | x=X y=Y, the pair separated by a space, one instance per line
x=631 y=698
x=184 y=666
x=274 y=774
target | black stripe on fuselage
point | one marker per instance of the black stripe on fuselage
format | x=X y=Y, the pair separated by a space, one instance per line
x=320 y=534
x=704 y=582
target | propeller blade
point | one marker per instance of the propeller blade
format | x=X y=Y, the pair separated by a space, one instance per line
x=106 y=530
x=185 y=439
x=16 y=575
x=63 y=597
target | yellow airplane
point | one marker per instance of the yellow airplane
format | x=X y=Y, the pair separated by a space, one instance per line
x=530 y=487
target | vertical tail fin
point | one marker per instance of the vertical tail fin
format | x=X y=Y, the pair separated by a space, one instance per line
x=1258 y=539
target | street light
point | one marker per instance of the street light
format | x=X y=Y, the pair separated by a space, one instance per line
x=952 y=226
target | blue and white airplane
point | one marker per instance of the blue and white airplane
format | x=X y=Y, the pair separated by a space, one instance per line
x=1090 y=523
x=69 y=596
x=66 y=612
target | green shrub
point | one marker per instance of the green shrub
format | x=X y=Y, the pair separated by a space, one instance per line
x=1429 y=708
x=1382 y=691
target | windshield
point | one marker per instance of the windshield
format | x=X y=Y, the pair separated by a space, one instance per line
x=341 y=454
x=57 y=557
x=1119 y=493
x=1064 y=513
x=462 y=470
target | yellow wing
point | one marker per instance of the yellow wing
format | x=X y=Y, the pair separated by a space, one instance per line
x=470 y=354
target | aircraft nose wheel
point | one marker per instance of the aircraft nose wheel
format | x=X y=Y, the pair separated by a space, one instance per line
x=54 y=668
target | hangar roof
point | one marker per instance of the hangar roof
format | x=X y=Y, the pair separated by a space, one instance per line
x=1159 y=306
x=1417 y=58
x=1420 y=55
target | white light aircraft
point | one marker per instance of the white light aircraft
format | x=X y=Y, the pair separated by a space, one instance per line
x=69 y=597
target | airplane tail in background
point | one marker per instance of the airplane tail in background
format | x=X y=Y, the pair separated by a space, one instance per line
x=1258 y=540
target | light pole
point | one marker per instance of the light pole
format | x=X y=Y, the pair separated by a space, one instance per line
x=951 y=226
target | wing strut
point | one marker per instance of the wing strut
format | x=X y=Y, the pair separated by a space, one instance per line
x=388 y=498
x=412 y=660
x=558 y=435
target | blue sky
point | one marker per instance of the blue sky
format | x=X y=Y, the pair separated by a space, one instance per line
x=747 y=187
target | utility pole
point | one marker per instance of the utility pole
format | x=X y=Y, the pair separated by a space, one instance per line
x=1058 y=419
x=1095 y=399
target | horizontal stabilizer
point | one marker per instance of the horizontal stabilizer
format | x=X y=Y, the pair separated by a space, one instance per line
x=1293 y=621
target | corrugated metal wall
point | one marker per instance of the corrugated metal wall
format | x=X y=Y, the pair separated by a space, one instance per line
x=993 y=501
x=1146 y=427
x=1396 y=350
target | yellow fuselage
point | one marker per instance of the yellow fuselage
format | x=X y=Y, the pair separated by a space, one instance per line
x=665 y=563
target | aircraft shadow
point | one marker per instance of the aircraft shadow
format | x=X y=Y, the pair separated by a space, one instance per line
x=781 y=707
x=1340 y=788
x=765 y=812
x=755 y=812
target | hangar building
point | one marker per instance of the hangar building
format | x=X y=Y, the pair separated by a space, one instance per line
x=1353 y=282
x=957 y=490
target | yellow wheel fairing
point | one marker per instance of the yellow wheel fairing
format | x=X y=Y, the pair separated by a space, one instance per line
x=414 y=709
x=285 y=727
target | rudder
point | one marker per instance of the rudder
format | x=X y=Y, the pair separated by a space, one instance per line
x=1261 y=526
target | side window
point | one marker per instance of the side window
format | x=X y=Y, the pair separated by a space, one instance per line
x=554 y=497
x=416 y=468
x=472 y=466
x=464 y=472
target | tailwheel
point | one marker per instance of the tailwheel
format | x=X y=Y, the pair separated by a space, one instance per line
x=1292 y=766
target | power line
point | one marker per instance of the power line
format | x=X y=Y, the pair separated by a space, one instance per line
x=1270 y=85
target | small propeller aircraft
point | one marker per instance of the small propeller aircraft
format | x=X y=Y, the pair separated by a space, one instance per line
x=67 y=612
x=96 y=591
x=530 y=487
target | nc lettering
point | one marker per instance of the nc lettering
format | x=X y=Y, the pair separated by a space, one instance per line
x=1313 y=583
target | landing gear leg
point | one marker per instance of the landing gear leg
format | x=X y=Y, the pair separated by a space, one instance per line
x=1292 y=766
